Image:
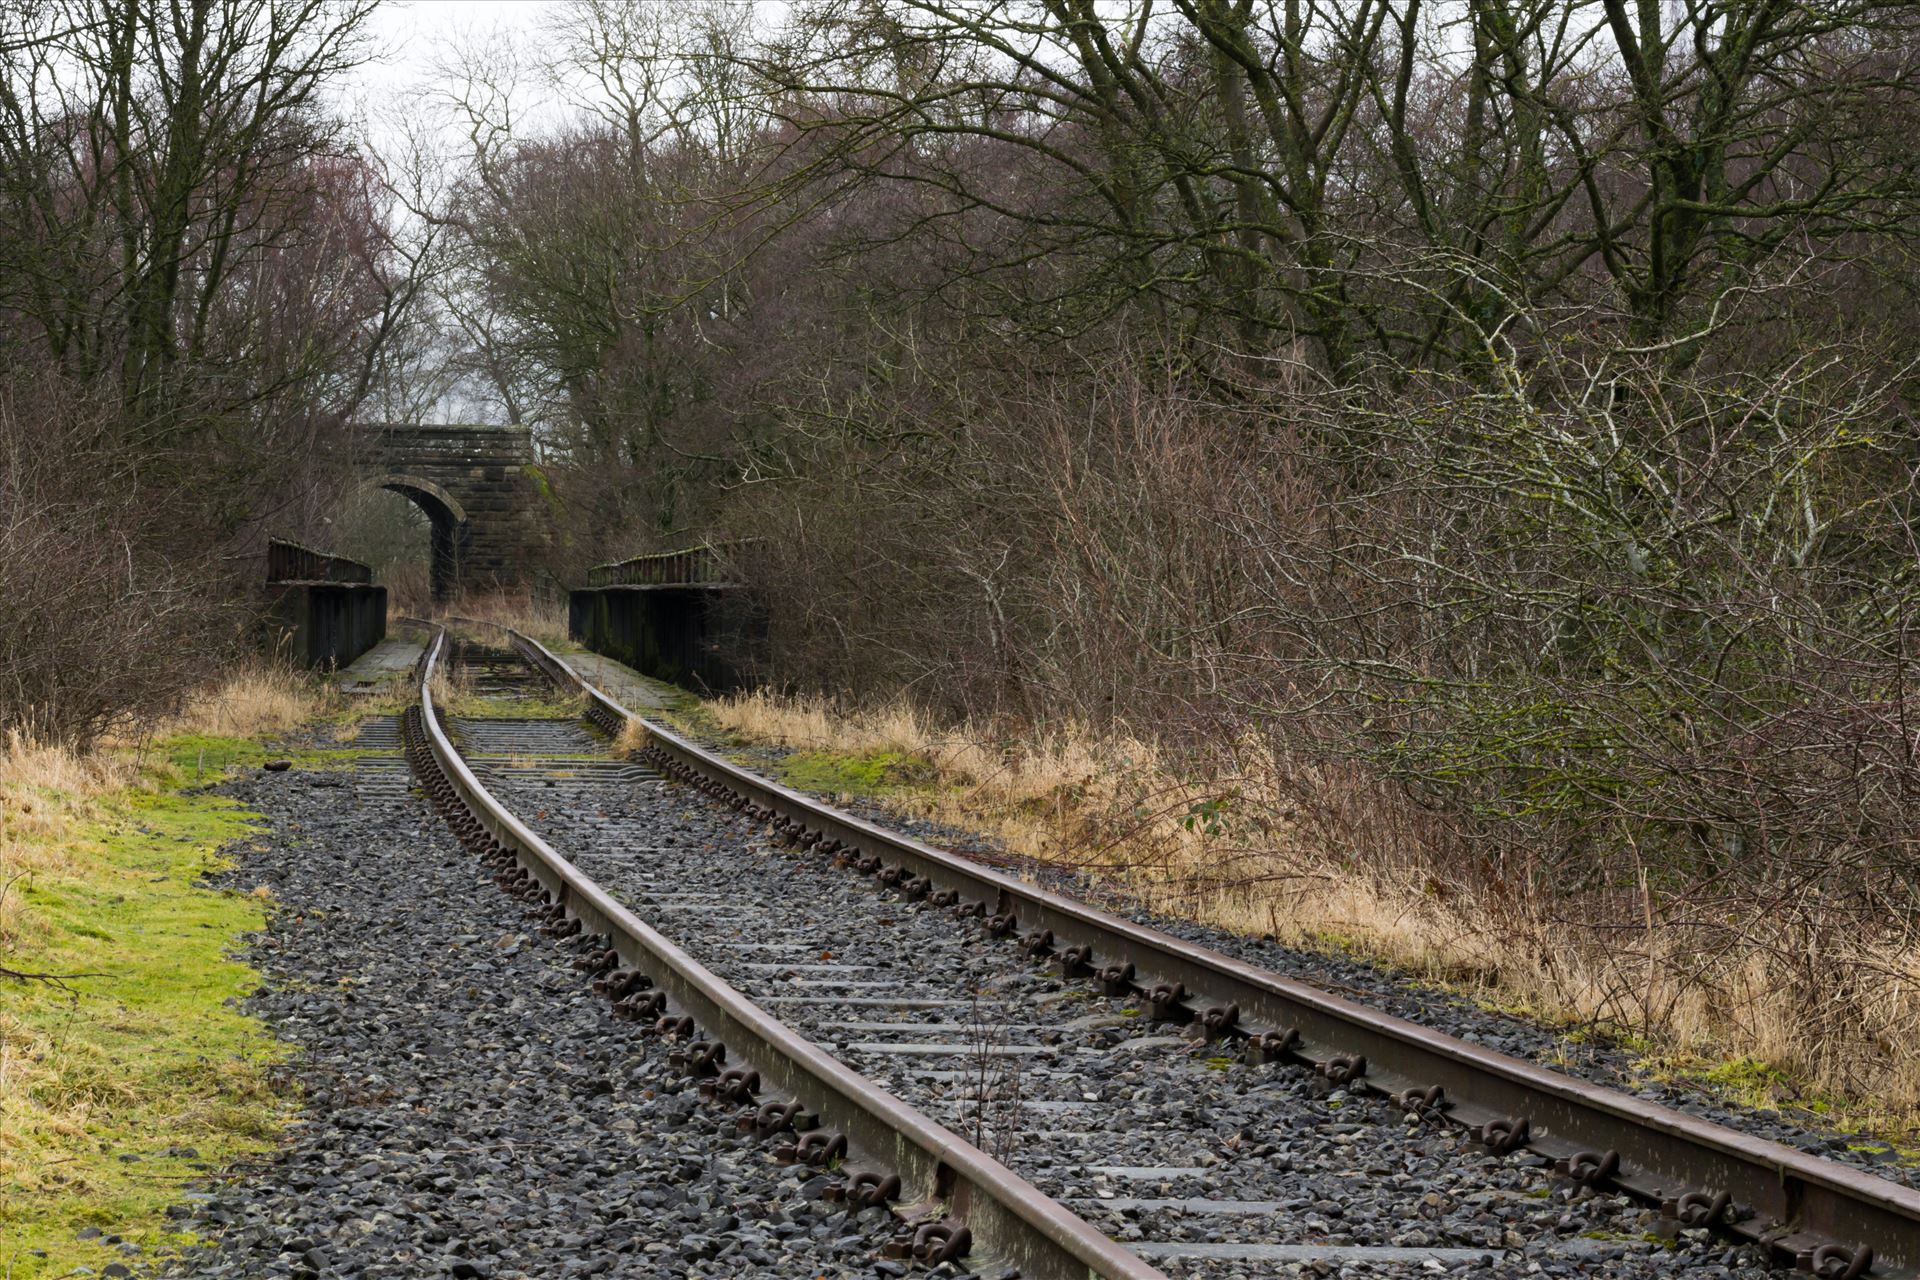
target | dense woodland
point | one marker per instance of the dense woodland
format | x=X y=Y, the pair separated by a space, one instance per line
x=1476 y=439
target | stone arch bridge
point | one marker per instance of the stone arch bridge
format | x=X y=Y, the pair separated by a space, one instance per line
x=484 y=497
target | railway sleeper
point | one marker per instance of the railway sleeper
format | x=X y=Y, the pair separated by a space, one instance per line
x=633 y=997
x=1709 y=1207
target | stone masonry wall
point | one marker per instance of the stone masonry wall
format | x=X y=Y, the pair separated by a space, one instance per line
x=489 y=472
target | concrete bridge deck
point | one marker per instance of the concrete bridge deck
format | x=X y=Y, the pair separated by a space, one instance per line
x=620 y=682
x=385 y=667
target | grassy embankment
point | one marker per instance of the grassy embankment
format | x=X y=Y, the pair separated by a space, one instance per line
x=1115 y=809
x=123 y=1084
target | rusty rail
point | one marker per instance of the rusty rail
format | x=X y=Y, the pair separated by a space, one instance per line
x=941 y=1173
x=1836 y=1221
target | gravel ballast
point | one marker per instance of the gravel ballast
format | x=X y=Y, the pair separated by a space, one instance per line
x=1134 y=1125
x=472 y=1108
x=469 y=1108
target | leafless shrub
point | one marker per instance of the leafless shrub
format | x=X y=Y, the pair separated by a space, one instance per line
x=96 y=624
x=1589 y=685
x=992 y=1082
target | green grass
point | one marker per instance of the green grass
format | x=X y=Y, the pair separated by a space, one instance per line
x=1752 y=1081
x=146 y=1059
x=475 y=707
x=199 y=758
x=1766 y=1087
x=830 y=773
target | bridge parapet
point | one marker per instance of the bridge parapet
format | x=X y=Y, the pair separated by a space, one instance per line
x=705 y=565
x=674 y=615
x=322 y=610
x=291 y=562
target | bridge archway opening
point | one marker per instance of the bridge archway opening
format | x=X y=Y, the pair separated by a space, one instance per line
x=428 y=530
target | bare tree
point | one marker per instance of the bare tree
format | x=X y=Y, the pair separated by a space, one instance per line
x=202 y=276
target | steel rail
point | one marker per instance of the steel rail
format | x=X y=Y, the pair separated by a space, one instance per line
x=1012 y=1221
x=1821 y=1215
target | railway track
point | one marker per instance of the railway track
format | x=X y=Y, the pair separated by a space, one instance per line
x=1035 y=1086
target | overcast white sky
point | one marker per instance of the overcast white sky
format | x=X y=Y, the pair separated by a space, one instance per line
x=406 y=40
x=407 y=34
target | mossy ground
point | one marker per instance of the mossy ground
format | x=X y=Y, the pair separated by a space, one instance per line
x=479 y=707
x=872 y=774
x=201 y=758
x=120 y=1089
x=1764 y=1087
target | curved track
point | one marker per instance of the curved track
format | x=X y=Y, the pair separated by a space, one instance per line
x=1035 y=1026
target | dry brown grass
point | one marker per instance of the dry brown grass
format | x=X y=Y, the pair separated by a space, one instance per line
x=521 y=610
x=1321 y=856
x=252 y=700
x=46 y=788
x=450 y=686
x=1032 y=783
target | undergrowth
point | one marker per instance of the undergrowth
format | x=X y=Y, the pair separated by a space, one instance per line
x=544 y=620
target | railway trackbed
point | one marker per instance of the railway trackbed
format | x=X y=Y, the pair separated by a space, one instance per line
x=1034 y=1086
